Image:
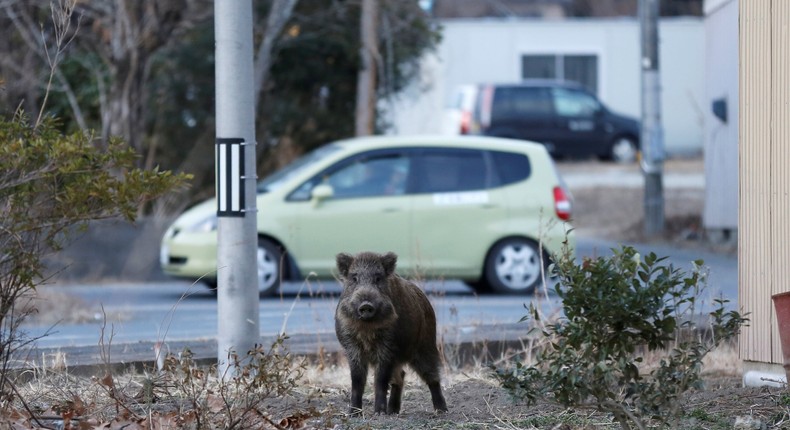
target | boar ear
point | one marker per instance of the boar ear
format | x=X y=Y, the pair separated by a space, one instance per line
x=343 y=263
x=389 y=260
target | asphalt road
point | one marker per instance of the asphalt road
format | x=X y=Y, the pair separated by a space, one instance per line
x=179 y=311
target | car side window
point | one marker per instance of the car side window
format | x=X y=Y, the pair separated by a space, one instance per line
x=514 y=102
x=574 y=103
x=442 y=171
x=382 y=175
x=510 y=167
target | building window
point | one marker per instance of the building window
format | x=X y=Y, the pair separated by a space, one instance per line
x=577 y=68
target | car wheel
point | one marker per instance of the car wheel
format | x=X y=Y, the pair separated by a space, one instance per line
x=514 y=267
x=268 y=259
x=623 y=150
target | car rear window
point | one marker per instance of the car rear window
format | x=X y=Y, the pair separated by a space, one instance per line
x=510 y=167
x=443 y=171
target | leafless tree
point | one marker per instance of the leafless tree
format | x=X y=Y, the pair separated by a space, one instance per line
x=48 y=46
x=125 y=34
x=279 y=14
x=366 y=82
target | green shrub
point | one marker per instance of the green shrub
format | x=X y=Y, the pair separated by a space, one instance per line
x=51 y=185
x=615 y=310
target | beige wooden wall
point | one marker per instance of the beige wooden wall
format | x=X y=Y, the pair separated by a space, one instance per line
x=764 y=150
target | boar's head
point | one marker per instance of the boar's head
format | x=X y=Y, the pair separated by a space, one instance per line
x=367 y=293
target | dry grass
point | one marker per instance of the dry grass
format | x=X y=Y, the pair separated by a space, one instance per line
x=320 y=400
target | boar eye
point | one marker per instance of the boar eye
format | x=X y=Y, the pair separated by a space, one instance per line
x=377 y=279
x=354 y=278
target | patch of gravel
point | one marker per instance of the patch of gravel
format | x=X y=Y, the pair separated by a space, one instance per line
x=617 y=212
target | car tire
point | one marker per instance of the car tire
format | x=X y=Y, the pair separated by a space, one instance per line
x=623 y=150
x=515 y=266
x=268 y=259
x=211 y=284
x=480 y=286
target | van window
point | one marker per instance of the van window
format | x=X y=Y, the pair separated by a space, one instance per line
x=514 y=102
x=442 y=171
x=580 y=68
x=510 y=167
x=574 y=103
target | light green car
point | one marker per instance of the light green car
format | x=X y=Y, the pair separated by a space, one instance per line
x=485 y=210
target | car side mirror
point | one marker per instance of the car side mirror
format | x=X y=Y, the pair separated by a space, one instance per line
x=600 y=111
x=320 y=193
x=719 y=108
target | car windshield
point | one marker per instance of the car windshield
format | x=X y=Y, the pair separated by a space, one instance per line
x=276 y=179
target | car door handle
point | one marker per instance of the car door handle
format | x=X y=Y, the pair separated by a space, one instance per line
x=390 y=210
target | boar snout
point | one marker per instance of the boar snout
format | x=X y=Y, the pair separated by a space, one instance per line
x=366 y=310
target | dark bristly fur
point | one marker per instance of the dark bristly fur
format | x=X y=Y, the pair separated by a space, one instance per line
x=385 y=321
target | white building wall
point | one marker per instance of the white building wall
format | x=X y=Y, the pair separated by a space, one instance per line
x=721 y=139
x=475 y=51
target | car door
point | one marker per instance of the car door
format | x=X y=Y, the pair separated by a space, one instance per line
x=523 y=113
x=455 y=214
x=367 y=211
x=581 y=129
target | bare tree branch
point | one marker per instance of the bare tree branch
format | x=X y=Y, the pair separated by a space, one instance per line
x=366 y=81
x=279 y=14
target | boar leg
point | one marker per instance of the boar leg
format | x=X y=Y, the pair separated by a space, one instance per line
x=436 y=396
x=393 y=407
x=381 y=385
x=359 y=375
x=428 y=370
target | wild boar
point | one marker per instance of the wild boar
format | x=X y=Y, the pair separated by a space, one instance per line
x=385 y=321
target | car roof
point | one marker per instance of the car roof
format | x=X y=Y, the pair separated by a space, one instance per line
x=443 y=141
x=539 y=83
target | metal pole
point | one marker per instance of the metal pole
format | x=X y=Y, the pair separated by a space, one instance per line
x=237 y=243
x=652 y=132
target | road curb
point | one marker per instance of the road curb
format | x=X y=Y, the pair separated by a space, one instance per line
x=480 y=344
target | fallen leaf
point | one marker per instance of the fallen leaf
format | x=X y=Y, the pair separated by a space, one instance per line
x=215 y=404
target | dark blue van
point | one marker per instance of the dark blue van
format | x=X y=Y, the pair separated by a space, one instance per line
x=563 y=116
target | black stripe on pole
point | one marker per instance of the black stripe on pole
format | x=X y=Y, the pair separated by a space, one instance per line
x=229 y=161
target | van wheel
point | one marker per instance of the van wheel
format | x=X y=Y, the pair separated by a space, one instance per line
x=623 y=150
x=268 y=259
x=514 y=266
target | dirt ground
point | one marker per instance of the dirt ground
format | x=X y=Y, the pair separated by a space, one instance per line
x=616 y=212
x=476 y=401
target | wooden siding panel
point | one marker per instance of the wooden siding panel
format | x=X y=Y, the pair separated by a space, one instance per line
x=780 y=154
x=754 y=250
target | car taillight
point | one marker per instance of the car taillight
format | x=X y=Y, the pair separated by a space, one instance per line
x=466 y=122
x=562 y=205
